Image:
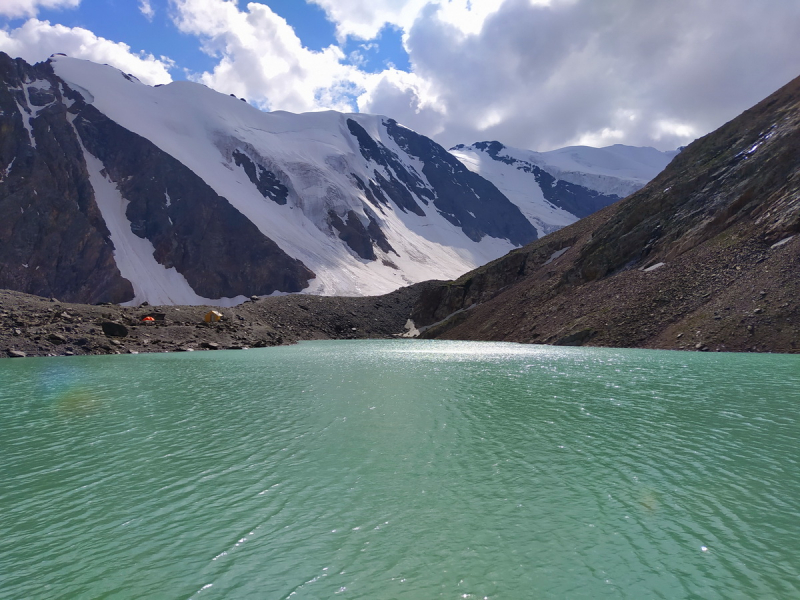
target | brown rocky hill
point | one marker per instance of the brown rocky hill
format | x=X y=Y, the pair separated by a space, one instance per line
x=707 y=256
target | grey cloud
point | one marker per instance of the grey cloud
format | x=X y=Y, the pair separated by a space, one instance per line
x=552 y=74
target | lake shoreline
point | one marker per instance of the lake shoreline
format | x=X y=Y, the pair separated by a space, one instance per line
x=35 y=326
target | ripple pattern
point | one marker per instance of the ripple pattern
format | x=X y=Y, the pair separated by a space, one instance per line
x=401 y=469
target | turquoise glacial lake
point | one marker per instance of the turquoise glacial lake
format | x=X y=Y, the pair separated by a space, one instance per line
x=401 y=470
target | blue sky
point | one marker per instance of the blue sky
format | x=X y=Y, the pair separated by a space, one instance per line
x=537 y=74
x=123 y=21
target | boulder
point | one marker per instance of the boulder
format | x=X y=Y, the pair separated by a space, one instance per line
x=112 y=329
x=575 y=339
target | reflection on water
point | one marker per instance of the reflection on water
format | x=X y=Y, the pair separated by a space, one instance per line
x=401 y=469
x=77 y=400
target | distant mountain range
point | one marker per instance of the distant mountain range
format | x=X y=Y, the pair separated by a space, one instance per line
x=116 y=191
x=704 y=257
x=554 y=189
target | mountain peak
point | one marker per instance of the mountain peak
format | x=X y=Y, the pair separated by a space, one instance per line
x=192 y=196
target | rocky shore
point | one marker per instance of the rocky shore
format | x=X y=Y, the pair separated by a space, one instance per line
x=725 y=296
x=36 y=326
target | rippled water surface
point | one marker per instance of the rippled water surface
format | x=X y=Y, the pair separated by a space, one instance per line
x=401 y=469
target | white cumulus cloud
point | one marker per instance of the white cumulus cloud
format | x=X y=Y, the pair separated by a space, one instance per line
x=29 y=8
x=532 y=73
x=365 y=18
x=262 y=59
x=36 y=40
x=536 y=74
x=547 y=74
x=146 y=9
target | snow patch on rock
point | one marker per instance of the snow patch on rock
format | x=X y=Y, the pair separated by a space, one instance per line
x=313 y=155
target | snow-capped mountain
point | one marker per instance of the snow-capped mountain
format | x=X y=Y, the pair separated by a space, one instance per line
x=554 y=189
x=113 y=190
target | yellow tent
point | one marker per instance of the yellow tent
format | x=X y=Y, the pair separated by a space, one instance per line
x=213 y=316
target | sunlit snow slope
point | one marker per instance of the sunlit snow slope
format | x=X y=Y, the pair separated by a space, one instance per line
x=335 y=191
x=554 y=189
x=121 y=192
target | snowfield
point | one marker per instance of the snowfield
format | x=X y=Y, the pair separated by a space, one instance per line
x=313 y=155
x=318 y=172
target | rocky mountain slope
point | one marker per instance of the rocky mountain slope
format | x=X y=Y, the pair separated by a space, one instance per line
x=116 y=191
x=113 y=190
x=706 y=256
x=556 y=188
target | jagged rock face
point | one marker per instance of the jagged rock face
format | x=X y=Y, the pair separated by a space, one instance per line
x=554 y=189
x=706 y=256
x=53 y=240
x=401 y=185
x=466 y=200
x=462 y=197
x=189 y=196
x=219 y=251
x=360 y=239
x=265 y=180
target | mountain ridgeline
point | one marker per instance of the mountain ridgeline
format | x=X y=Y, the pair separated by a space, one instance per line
x=575 y=199
x=706 y=256
x=556 y=188
x=115 y=191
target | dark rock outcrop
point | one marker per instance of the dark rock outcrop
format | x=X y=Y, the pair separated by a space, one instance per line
x=216 y=248
x=53 y=240
x=360 y=239
x=112 y=329
x=463 y=198
x=401 y=181
x=266 y=181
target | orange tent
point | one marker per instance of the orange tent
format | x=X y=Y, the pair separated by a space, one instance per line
x=213 y=316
